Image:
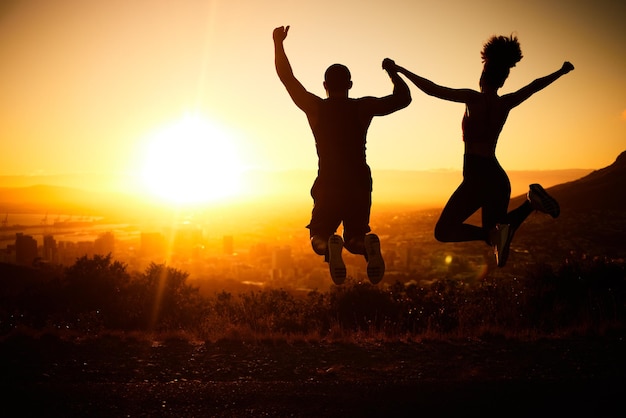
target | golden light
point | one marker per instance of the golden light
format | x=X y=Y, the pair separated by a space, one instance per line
x=191 y=161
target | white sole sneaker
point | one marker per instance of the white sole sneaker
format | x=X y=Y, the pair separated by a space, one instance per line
x=335 y=260
x=501 y=247
x=375 y=262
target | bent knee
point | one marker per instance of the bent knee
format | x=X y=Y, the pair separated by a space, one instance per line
x=319 y=244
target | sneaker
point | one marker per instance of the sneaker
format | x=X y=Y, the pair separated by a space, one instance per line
x=375 y=262
x=542 y=201
x=501 y=236
x=320 y=246
x=335 y=262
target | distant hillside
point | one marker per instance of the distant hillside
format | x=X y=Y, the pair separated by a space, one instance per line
x=83 y=181
x=430 y=188
x=434 y=188
x=602 y=189
x=44 y=198
x=592 y=221
x=57 y=199
x=89 y=194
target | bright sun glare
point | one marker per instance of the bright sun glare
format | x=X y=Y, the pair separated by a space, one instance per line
x=191 y=161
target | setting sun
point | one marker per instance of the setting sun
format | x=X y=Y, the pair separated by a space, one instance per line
x=191 y=161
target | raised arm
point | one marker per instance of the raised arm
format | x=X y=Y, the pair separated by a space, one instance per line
x=432 y=89
x=301 y=97
x=401 y=95
x=398 y=99
x=514 y=99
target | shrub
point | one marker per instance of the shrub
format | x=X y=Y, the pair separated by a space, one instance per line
x=581 y=294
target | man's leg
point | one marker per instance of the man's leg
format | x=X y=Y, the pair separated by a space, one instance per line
x=358 y=240
x=320 y=244
x=375 y=261
x=331 y=248
x=356 y=206
x=325 y=219
x=335 y=259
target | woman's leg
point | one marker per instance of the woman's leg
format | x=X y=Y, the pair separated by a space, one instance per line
x=518 y=215
x=451 y=226
x=498 y=196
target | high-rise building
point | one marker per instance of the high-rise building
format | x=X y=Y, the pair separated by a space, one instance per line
x=25 y=249
x=104 y=244
x=50 y=249
x=282 y=263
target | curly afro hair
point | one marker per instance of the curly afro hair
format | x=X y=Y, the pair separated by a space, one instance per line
x=501 y=51
x=499 y=54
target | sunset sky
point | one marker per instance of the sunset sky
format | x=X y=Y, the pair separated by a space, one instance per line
x=87 y=85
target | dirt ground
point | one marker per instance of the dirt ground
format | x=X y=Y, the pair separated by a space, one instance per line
x=126 y=377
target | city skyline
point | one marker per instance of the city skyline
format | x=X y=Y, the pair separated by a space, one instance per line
x=197 y=234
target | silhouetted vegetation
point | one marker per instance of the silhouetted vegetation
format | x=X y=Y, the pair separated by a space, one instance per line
x=580 y=296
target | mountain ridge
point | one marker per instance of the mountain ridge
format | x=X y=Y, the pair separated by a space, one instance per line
x=602 y=189
x=595 y=189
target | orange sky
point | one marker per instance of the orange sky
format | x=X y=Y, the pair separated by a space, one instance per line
x=86 y=84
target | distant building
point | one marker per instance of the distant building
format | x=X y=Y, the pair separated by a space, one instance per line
x=7 y=255
x=25 y=249
x=68 y=252
x=405 y=256
x=186 y=237
x=282 y=263
x=104 y=244
x=50 y=251
x=260 y=250
x=85 y=248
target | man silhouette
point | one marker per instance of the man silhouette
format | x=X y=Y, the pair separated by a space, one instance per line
x=342 y=191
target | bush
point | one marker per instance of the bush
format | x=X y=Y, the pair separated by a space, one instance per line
x=581 y=295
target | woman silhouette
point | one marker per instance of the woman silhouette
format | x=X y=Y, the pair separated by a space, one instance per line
x=485 y=184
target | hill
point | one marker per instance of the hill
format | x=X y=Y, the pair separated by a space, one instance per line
x=42 y=198
x=89 y=194
x=599 y=190
x=592 y=220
